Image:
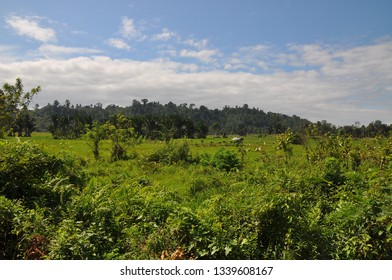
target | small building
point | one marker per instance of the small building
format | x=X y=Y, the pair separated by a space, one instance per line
x=237 y=140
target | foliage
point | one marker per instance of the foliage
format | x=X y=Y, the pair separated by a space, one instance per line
x=69 y=127
x=284 y=143
x=203 y=184
x=26 y=170
x=14 y=114
x=331 y=202
x=222 y=159
x=94 y=137
x=172 y=152
x=122 y=136
x=153 y=120
x=8 y=239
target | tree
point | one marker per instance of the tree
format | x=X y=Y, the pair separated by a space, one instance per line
x=24 y=124
x=202 y=130
x=284 y=143
x=14 y=106
x=122 y=136
x=94 y=136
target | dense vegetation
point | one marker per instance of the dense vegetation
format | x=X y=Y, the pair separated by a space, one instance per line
x=153 y=120
x=15 y=116
x=69 y=121
x=118 y=190
x=329 y=198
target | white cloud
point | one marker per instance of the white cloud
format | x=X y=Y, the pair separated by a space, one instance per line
x=307 y=55
x=7 y=53
x=250 y=58
x=374 y=60
x=118 y=43
x=347 y=84
x=49 y=50
x=128 y=29
x=256 y=49
x=165 y=35
x=198 y=44
x=238 y=64
x=202 y=55
x=29 y=27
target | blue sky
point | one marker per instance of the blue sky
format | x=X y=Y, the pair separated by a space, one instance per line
x=320 y=60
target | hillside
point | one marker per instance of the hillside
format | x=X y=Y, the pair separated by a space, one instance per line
x=238 y=120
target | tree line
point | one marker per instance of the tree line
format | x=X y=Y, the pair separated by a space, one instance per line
x=154 y=120
x=157 y=121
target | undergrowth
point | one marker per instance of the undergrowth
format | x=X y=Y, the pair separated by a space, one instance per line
x=327 y=199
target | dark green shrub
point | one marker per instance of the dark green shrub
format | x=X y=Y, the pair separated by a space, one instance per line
x=333 y=171
x=362 y=228
x=34 y=228
x=232 y=228
x=188 y=231
x=297 y=139
x=203 y=184
x=76 y=241
x=26 y=169
x=225 y=160
x=172 y=152
x=8 y=239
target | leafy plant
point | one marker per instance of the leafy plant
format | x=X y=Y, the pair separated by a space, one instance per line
x=94 y=137
x=122 y=136
x=24 y=169
x=14 y=114
x=284 y=143
x=172 y=152
x=8 y=239
x=222 y=159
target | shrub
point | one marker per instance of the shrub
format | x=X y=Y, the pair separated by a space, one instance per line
x=172 y=153
x=188 y=231
x=202 y=184
x=8 y=239
x=333 y=172
x=94 y=137
x=33 y=228
x=25 y=170
x=222 y=159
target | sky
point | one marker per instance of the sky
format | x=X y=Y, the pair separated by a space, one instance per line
x=320 y=60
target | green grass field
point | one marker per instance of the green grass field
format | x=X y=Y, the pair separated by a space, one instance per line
x=329 y=200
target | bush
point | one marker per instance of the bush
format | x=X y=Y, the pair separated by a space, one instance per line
x=172 y=153
x=8 y=239
x=222 y=159
x=25 y=170
x=333 y=172
x=203 y=184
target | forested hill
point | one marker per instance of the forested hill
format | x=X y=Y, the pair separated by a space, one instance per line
x=229 y=120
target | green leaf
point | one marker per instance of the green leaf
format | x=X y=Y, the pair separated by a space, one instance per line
x=227 y=250
x=244 y=241
x=214 y=250
x=234 y=242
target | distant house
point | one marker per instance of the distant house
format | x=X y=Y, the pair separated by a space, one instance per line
x=237 y=140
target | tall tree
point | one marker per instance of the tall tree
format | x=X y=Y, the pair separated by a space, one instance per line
x=14 y=105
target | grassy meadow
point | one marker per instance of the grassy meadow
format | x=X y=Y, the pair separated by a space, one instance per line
x=327 y=198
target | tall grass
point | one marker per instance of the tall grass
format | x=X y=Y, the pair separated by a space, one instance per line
x=329 y=200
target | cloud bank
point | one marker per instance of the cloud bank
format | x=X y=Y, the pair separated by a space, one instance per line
x=339 y=84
